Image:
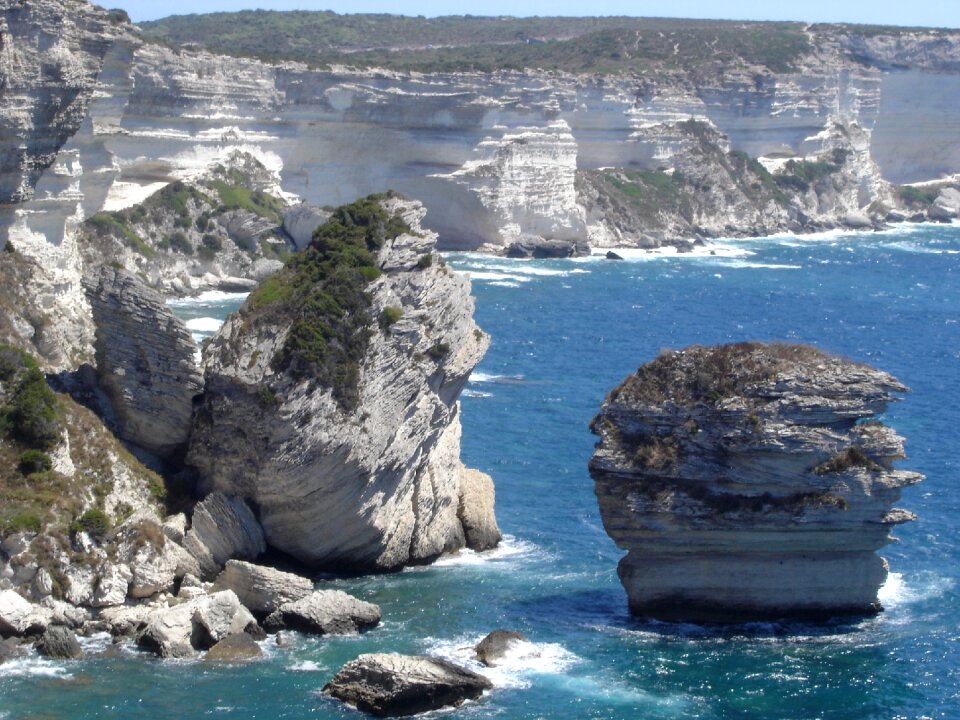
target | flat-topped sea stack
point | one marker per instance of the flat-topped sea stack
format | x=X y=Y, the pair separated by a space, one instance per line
x=748 y=481
x=332 y=399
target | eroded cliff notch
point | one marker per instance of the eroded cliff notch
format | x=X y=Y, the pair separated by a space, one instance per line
x=750 y=481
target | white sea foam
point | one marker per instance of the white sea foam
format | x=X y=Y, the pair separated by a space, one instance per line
x=506 y=284
x=765 y=266
x=476 y=394
x=898 y=592
x=96 y=643
x=306 y=666
x=482 y=377
x=204 y=325
x=32 y=666
x=509 y=550
x=208 y=297
x=521 y=663
x=497 y=276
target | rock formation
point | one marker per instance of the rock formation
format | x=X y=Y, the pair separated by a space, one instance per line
x=517 y=149
x=145 y=362
x=750 y=481
x=325 y=612
x=391 y=684
x=349 y=447
x=262 y=589
x=494 y=647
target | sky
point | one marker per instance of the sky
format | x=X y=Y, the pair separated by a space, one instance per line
x=930 y=13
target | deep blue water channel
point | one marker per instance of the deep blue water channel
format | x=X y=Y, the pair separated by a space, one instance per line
x=564 y=333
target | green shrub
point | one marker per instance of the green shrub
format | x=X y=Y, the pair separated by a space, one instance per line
x=425 y=261
x=34 y=461
x=24 y=522
x=389 y=316
x=178 y=242
x=853 y=456
x=439 y=350
x=321 y=291
x=94 y=522
x=915 y=196
x=33 y=412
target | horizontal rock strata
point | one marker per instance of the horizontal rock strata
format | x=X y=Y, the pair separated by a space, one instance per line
x=749 y=481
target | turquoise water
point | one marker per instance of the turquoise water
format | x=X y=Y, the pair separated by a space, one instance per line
x=564 y=332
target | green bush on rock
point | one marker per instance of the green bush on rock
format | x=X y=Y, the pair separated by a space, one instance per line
x=321 y=292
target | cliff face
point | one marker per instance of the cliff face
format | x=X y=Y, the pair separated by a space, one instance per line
x=349 y=448
x=495 y=157
x=144 y=361
x=51 y=56
x=743 y=485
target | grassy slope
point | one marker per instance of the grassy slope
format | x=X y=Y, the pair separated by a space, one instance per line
x=455 y=43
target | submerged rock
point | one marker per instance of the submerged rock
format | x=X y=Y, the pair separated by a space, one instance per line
x=496 y=645
x=326 y=612
x=392 y=684
x=234 y=648
x=743 y=484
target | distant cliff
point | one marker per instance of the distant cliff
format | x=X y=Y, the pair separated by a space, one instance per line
x=796 y=128
x=750 y=481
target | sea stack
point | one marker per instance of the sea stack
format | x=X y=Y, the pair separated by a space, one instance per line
x=749 y=481
x=332 y=399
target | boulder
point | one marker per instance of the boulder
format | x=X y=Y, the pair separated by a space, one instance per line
x=180 y=631
x=262 y=589
x=223 y=528
x=744 y=485
x=125 y=621
x=392 y=684
x=59 y=643
x=19 y=617
x=496 y=645
x=326 y=612
x=234 y=648
x=611 y=255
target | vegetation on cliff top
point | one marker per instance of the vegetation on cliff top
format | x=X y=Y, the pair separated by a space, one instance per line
x=321 y=294
x=486 y=44
x=710 y=374
x=195 y=219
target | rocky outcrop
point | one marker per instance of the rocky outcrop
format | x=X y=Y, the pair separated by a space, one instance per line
x=183 y=630
x=145 y=362
x=352 y=461
x=390 y=684
x=525 y=180
x=325 y=612
x=494 y=647
x=750 y=481
x=59 y=643
x=18 y=617
x=262 y=589
x=223 y=528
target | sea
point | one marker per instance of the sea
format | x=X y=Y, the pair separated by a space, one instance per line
x=565 y=332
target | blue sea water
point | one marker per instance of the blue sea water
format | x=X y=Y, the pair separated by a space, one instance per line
x=564 y=333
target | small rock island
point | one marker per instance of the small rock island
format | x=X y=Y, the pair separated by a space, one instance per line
x=750 y=481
